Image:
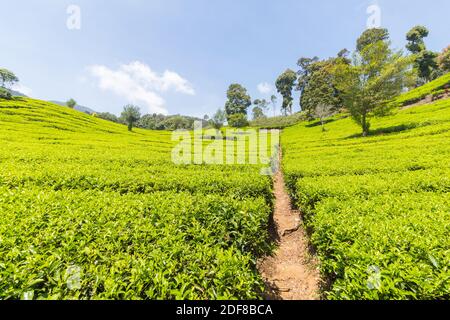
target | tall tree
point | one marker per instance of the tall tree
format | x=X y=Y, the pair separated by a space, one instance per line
x=317 y=84
x=371 y=36
x=444 y=60
x=321 y=90
x=71 y=103
x=7 y=78
x=218 y=119
x=376 y=75
x=238 y=100
x=263 y=104
x=130 y=115
x=415 y=37
x=274 y=100
x=285 y=84
x=425 y=61
x=258 y=113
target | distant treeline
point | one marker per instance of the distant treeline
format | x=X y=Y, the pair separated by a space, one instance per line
x=157 y=121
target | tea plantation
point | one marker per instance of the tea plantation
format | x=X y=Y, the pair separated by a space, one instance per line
x=91 y=211
x=378 y=208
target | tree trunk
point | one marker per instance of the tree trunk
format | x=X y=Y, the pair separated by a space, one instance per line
x=365 y=126
x=130 y=126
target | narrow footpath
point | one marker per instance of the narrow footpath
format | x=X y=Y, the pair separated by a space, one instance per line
x=291 y=273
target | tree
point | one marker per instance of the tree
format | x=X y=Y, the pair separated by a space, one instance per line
x=7 y=78
x=371 y=36
x=444 y=60
x=285 y=84
x=238 y=120
x=372 y=80
x=323 y=111
x=130 y=115
x=71 y=103
x=263 y=104
x=108 y=116
x=321 y=90
x=257 y=113
x=218 y=119
x=306 y=68
x=317 y=83
x=238 y=100
x=415 y=37
x=425 y=61
x=273 y=100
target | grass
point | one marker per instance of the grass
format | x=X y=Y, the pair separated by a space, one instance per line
x=378 y=208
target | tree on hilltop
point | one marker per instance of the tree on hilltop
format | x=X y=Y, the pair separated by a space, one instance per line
x=71 y=103
x=376 y=75
x=426 y=63
x=285 y=84
x=130 y=115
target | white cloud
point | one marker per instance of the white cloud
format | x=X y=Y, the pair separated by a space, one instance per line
x=22 y=89
x=139 y=84
x=265 y=88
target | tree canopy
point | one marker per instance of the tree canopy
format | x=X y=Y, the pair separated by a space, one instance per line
x=238 y=100
x=376 y=75
x=426 y=63
x=130 y=115
x=71 y=103
x=285 y=84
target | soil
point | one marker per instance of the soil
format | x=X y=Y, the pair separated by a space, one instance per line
x=291 y=273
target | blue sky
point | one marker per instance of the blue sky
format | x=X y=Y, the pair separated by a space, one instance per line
x=178 y=56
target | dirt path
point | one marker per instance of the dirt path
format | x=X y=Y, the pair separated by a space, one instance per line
x=291 y=273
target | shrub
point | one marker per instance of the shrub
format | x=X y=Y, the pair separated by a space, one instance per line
x=237 y=120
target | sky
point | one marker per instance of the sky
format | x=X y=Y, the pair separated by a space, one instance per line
x=179 y=57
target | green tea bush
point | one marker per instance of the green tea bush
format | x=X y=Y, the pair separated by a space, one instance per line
x=92 y=211
x=377 y=207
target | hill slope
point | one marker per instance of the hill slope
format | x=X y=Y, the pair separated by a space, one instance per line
x=77 y=107
x=378 y=207
x=92 y=211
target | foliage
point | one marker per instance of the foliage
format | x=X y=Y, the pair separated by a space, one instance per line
x=378 y=208
x=218 y=119
x=237 y=120
x=371 y=36
x=130 y=115
x=108 y=116
x=258 y=113
x=7 y=78
x=285 y=84
x=415 y=37
x=444 y=60
x=375 y=77
x=425 y=61
x=80 y=193
x=238 y=100
x=71 y=103
x=279 y=122
x=318 y=87
x=5 y=94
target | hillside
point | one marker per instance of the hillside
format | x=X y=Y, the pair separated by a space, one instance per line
x=77 y=107
x=378 y=208
x=87 y=203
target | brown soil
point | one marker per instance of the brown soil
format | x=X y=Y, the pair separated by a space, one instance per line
x=426 y=100
x=291 y=273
